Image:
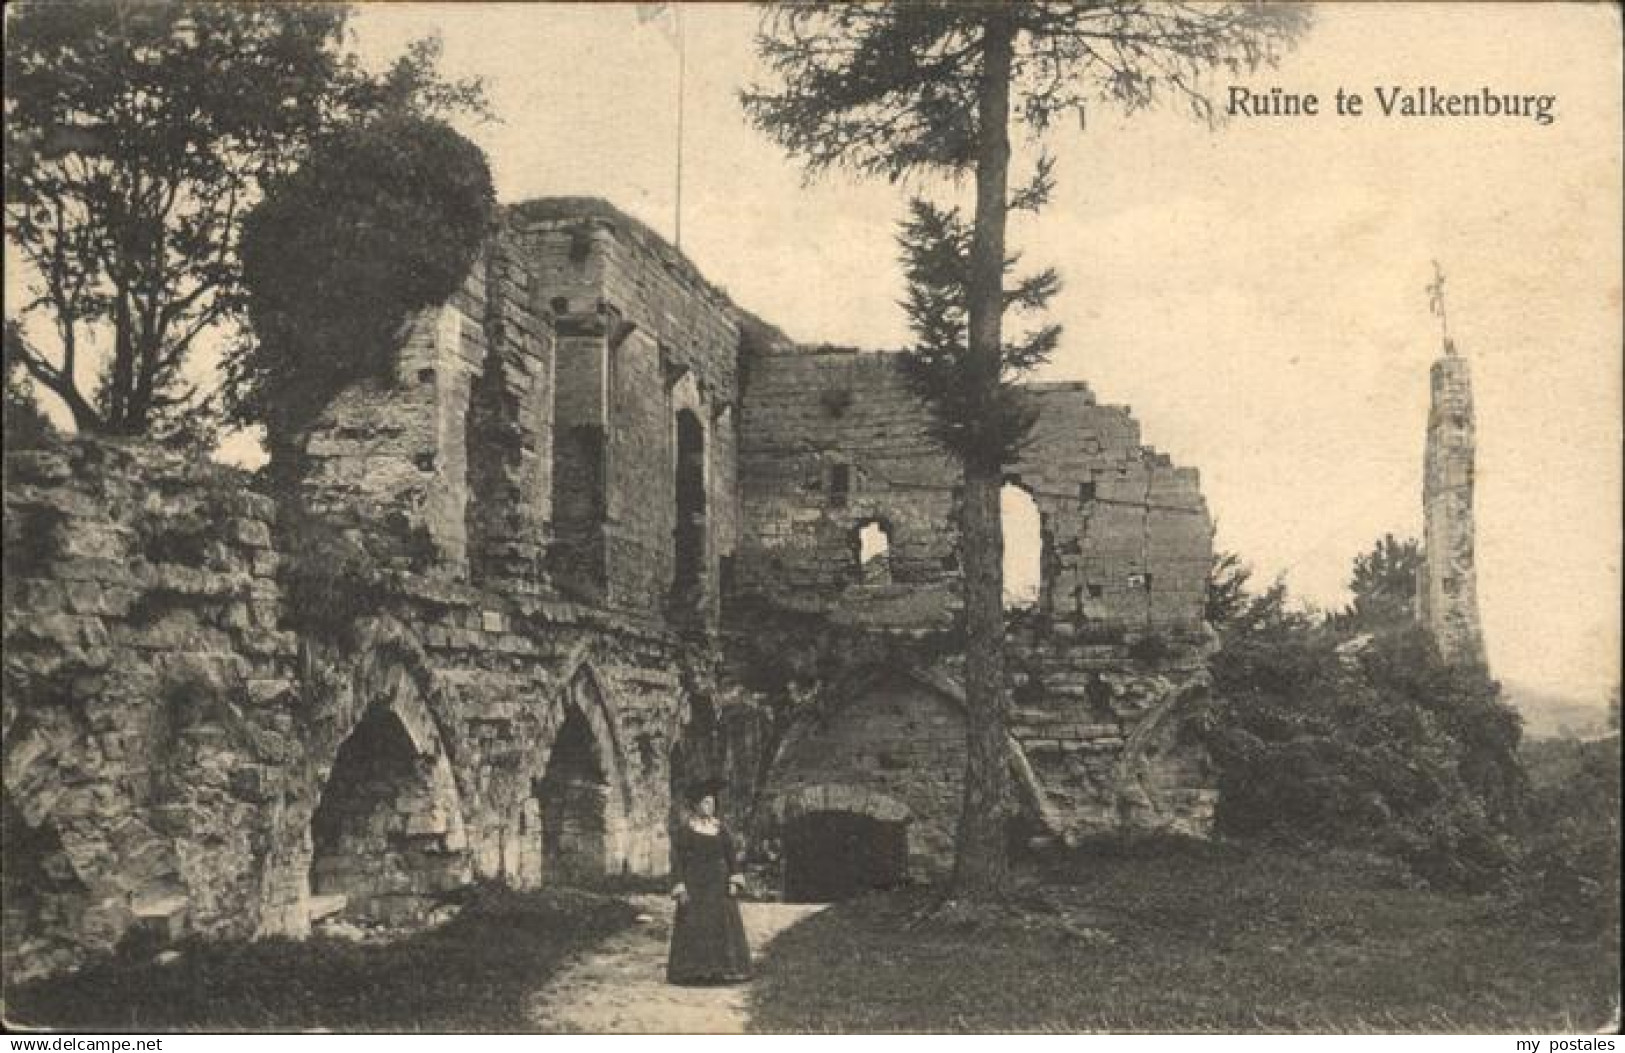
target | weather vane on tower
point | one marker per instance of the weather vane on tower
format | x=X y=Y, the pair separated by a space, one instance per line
x=1435 y=291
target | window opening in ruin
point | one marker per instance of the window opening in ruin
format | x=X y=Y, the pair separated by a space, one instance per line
x=1086 y=491
x=837 y=855
x=580 y=505
x=574 y=795
x=1023 y=546
x=383 y=836
x=840 y=485
x=689 y=537
x=873 y=552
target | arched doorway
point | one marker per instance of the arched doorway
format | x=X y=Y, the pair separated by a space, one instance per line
x=837 y=855
x=574 y=794
x=583 y=794
x=387 y=838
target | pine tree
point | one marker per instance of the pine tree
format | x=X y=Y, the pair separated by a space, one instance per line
x=901 y=89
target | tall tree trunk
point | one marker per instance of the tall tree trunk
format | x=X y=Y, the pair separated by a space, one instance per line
x=980 y=863
x=121 y=377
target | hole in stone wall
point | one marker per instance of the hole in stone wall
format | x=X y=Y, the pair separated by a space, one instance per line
x=836 y=855
x=1023 y=547
x=574 y=796
x=689 y=539
x=873 y=552
x=384 y=835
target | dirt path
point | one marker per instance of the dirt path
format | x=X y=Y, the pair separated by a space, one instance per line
x=620 y=986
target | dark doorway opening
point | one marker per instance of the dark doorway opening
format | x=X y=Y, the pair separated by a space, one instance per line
x=574 y=796
x=837 y=855
x=385 y=836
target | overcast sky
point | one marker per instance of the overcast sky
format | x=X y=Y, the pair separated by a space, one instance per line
x=1254 y=292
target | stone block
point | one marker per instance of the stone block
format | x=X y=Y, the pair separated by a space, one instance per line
x=250 y=533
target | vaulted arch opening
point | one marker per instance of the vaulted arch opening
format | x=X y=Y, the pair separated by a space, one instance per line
x=387 y=837
x=574 y=794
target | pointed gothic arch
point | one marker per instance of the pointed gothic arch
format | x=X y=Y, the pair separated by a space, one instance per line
x=584 y=794
x=388 y=835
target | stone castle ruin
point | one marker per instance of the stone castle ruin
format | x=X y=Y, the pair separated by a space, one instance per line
x=589 y=473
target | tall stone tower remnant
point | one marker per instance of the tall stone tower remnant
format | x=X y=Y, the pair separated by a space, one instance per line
x=1448 y=589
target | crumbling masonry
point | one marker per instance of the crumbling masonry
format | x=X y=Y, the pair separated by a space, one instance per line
x=1448 y=585
x=588 y=473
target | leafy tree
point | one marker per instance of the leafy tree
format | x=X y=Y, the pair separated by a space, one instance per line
x=25 y=425
x=1323 y=733
x=1227 y=582
x=1384 y=586
x=384 y=219
x=137 y=136
x=976 y=421
x=900 y=89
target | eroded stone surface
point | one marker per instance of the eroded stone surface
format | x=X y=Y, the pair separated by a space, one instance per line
x=1448 y=585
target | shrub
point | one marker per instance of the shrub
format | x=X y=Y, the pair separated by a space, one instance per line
x=1568 y=868
x=329 y=582
x=384 y=219
x=1329 y=732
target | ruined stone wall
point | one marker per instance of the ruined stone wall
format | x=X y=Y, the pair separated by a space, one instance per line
x=179 y=738
x=505 y=626
x=528 y=436
x=1126 y=535
x=151 y=713
x=830 y=441
x=643 y=337
x=896 y=749
x=1100 y=669
x=1101 y=733
x=1097 y=746
x=390 y=462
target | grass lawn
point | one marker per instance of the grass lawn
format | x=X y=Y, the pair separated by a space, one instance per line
x=471 y=974
x=1183 y=939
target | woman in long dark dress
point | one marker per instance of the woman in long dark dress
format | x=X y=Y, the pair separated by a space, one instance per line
x=708 y=938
